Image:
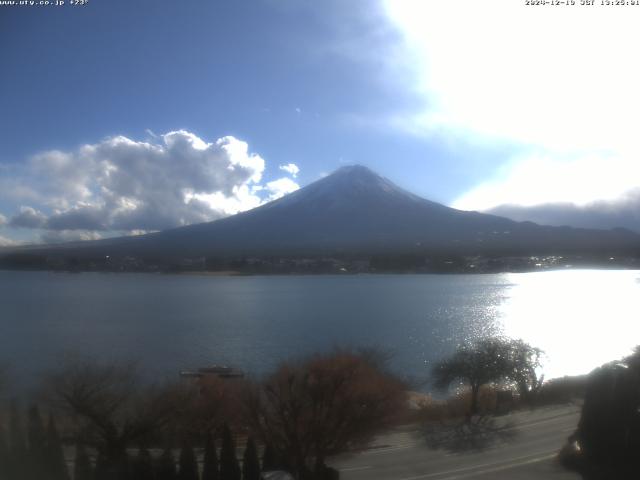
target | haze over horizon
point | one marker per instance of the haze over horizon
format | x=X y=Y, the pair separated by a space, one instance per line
x=188 y=113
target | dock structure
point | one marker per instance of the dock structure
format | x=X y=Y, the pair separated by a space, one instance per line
x=219 y=371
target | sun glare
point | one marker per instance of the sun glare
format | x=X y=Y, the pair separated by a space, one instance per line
x=580 y=318
x=555 y=83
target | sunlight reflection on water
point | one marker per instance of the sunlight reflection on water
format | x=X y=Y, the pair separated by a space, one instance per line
x=580 y=318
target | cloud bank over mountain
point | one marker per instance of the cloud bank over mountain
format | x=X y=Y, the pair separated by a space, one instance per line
x=590 y=192
x=622 y=212
x=121 y=185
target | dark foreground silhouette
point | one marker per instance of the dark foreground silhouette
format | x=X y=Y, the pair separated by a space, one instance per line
x=606 y=444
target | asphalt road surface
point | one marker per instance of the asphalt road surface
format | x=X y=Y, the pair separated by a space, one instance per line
x=519 y=446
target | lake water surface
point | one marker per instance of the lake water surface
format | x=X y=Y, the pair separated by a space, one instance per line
x=581 y=318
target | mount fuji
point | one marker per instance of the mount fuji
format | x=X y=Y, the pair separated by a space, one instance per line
x=355 y=210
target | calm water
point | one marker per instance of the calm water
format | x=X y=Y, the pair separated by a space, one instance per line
x=581 y=318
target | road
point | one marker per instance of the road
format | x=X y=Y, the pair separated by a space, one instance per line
x=519 y=446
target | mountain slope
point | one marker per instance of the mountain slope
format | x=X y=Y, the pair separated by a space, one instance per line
x=355 y=210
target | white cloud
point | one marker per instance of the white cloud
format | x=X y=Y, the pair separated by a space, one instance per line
x=290 y=168
x=557 y=84
x=135 y=233
x=541 y=179
x=28 y=217
x=279 y=188
x=61 y=236
x=8 y=242
x=124 y=185
x=3 y=220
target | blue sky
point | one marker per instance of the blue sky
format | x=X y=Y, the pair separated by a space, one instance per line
x=455 y=104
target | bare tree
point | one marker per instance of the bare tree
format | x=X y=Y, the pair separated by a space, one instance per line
x=111 y=408
x=207 y=405
x=491 y=360
x=524 y=362
x=321 y=406
x=477 y=364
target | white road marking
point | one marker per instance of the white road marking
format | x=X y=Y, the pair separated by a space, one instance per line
x=378 y=451
x=503 y=467
x=496 y=466
x=354 y=469
x=534 y=424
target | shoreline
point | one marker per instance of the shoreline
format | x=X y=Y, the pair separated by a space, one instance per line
x=238 y=273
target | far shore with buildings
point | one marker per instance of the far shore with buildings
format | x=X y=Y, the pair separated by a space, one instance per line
x=301 y=265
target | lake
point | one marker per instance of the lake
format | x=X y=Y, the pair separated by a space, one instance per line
x=581 y=318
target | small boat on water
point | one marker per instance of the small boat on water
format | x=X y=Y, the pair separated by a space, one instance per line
x=220 y=371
